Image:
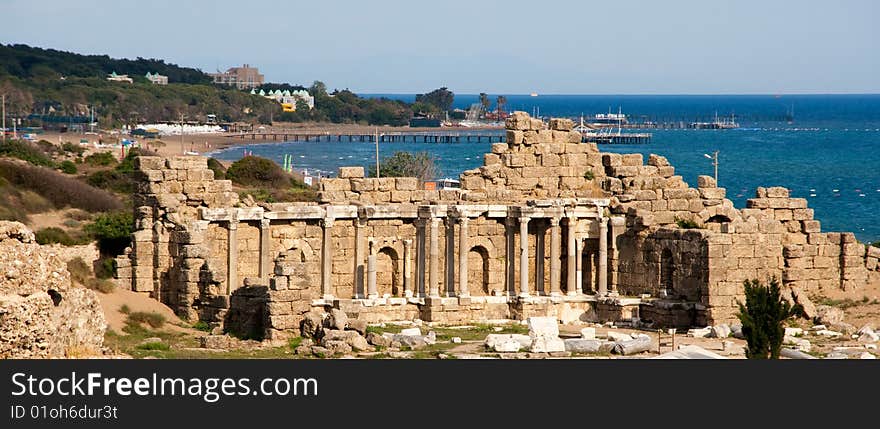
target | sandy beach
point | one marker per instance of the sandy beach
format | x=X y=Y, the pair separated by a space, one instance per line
x=173 y=145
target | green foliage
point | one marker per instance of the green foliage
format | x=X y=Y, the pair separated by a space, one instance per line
x=589 y=175
x=100 y=159
x=155 y=320
x=202 y=326
x=26 y=151
x=407 y=164
x=258 y=171
x=60 y=189
x=73 y=148
x=876 y=243
x=294 y=342
x=154 y=345
x=27 y=62
x=113 y=231
x=763 y=317
x=441 y=98
x=68 y=167
x=79 y=270
x=55 y=235
x=686 y=224
x=218 y=168
x=125 y=309
x=106 y=268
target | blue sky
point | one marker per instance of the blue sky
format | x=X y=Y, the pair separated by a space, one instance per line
x=511 y=46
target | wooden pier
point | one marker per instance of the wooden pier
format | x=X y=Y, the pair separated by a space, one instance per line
x=414 y=137
x=617 y=138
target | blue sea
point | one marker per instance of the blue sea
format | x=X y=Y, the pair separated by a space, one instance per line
x=825 y=148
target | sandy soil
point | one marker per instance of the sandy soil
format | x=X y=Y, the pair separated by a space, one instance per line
x=111 y=302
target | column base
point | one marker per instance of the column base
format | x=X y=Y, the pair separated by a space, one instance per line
x=328 y=297
x=555 y=293
x=373 y=296
x=523 y=295
x=408 y=294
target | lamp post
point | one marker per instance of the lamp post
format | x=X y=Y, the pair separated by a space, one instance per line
x=714 y=158
x=377 y=152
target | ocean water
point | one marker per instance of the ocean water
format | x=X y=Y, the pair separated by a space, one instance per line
x=829 y=153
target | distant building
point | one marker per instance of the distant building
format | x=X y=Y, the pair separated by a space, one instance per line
x=113 y=77
x=244 y=77
x=157 y=78
x=288 y=98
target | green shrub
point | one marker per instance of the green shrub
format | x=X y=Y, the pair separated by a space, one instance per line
x=113 y=231
x=79 y=270
x=73 y=148
x=202 y=326
x=218 y=168
x=112 y=180
x=25 y=151
x=589 y=175
x=61 y=189
x=124 y=309
x=154 y=346
x=407 y=164
x=106 y=268
x=686 y=224
x=155 y=320
x=257 y=171
x=68 y=167
x=763 y=317
x=54 y=235
x=100 y=159
x=101 y=285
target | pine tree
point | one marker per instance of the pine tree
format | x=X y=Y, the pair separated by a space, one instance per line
x=762 y=318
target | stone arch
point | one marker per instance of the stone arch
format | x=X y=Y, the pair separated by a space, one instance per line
x=389 y=272
x=667 y=271
x=478 y=271
x=493 y=268
x=299 y=249
x=719 y=218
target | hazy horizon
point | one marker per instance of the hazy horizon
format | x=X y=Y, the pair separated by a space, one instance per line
x=562 y=47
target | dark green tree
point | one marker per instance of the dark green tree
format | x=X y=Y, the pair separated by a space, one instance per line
x=762 y=318
x=407 y=164
x=441 y=98
x=484 y=101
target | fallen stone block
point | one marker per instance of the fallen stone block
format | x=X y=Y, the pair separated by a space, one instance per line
x=359 y=326
x=699 y=332
x=337 y=319
x=794 y=354
x=588 y=333
x=411 y=332
x=828 y=315
x=543 y=326
x=378 y=340
x=636 y=345
x=617 y=336
x=546 y=344
x=580 y=345
x=720 y=331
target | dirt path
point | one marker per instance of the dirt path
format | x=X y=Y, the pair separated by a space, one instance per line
x=137 y=302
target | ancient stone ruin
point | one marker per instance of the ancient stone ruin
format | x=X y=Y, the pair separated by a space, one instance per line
x=41 y=314
x=548 y=226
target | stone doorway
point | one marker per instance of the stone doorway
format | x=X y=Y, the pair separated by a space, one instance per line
x=478 y=271
x=388 y=272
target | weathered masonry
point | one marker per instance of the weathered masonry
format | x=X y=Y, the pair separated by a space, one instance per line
x=547 y=226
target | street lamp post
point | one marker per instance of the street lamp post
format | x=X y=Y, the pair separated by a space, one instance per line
x=714 y=158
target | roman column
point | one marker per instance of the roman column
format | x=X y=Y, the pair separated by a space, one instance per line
x=434 y=259
x=555 y=263
x=326 y=258
x=603 y=256
x=571 y=279
x=232 y=257
x=372 y=292
x=524 y=255
x=463 y=249
x=407 y=279
x=359 y=253
x=264 y=249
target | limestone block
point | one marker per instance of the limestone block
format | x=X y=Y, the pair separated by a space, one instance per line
x=623 y=171
x=706 y=182
x=401 y=196
x=802 y=214
x=530 y=137
x=515 y=137
x=658 y=161
x=335 y=184
x=797 y=203
x=149 y=163
x=560 y=136
x=666 y=171
x=646 y=195
x=811 y=226
x=545 y=136
x=514 y=160
x=547 y=345
x=536 y=124
x=761 y=192
x=612 y=159
x=777 y=192
x=406 y=183
x=686 y=193
x=499 y=148
x=647 y=170
x=363 y=185
x=550 y=160
x=491 y=159
x=385 y=184
x=561 y=124
x=576 y=137
x=632 y=159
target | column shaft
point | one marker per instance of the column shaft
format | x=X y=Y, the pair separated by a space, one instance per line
x=264 y=249
x=326 y=259
x=232 y=257
x=524 y=256
x=603 y=257
x=555 y=263
x=434 y=259
x=407 y=279
x=571 y=278
x=463 y=249
x=359 y=254
x=372 y=291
